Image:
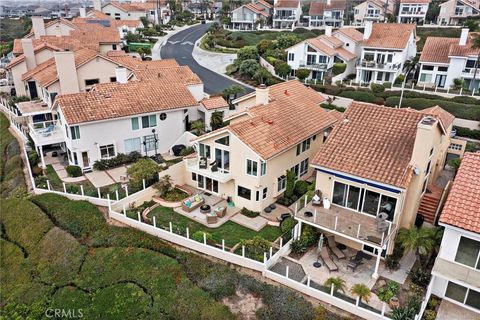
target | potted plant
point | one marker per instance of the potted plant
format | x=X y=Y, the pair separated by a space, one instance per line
x=394 y=302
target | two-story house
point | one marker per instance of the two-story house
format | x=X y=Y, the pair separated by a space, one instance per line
x=157 y=12
x=320 y=54
x=372 y=172
x=250 y=15
x=247 y=160
x=286 y=14
x=385 y=49
x=326 y=13
x=456 y=272
x=413 y=11
x=372 y=10
x=455 y=12
x=445 y=59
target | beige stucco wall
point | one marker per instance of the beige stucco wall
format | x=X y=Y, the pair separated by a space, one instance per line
x=97 y=68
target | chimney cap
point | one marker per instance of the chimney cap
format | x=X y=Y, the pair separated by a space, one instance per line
x=262 y=86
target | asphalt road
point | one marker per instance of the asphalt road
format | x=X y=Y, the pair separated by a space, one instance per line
x=180 y=47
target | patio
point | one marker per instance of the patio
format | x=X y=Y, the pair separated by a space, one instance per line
x=449 y=311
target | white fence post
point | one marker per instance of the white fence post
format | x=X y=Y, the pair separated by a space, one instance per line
x=305 y=204
x=81 y=190
x=286 y=272
x=64 y=188
x=143 y=183
x=138 y=216
x=159 y=176
x=170 y=226
x=116 y=194
x=154 y=221
x=315 y=216
x=223 y=244
x=331 y=290
x=296 y=208
x=358 y=230
x=204 y=238
x=336 y=222
x=124 y=210
x=383 y=309
x=264 y=258
x=357 y=301
x=271 y=252
x=109 y=204
x=188 y=233
x=473 y=92
x=99 y=194
x=308 y=281
x=48 y=185
x=461 y=90
x=243 y=251
x=126 y=190
x=281 y=242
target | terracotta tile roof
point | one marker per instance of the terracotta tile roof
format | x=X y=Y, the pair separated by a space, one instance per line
x=109 y=21
x=264 y=3
x=36 y=50
x=390 y=35
x=294 y=91
x=135 y=6
x=60 y=43
x=179 y=74
x=52 y=23
x=95 y=33
x=331 y=41
x=320 y=43
x=97 y=14
x=436 y=49
x=287 y=4
x=415 y=1
x=213 y=103
x=373 y=142
x=462 y=208
x=318 y=7
x=258 y=10
x=445 y=117
x=336 y=114
x=466 y=50
x=352 y=33
x=114 y=100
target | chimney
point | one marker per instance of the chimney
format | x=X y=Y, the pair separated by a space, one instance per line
x=121 y=74
x=67 y=72
x=261 y=94
x=328 y=31
x=29 y=53
x=38 y=26
x=463 y=37
x=329 y=2
x=83 y=12
x=368 y=30
x=97 y=5
x=58 y=31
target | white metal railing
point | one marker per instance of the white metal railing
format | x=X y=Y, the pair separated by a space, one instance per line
x=376 y=65
x=194 y=163
x=44 y=128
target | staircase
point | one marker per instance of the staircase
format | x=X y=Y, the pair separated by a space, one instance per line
x=429 y=203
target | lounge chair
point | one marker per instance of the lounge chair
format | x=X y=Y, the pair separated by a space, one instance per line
x=333 y=246
x=317 y=198
x=327 y=260
x=46 y=131
x=192 y=203
x=355 y=261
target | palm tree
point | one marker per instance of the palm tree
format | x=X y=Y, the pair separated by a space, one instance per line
x=230 y=93
x=337 y=283
x=198 y=126
x=475 y=45
x=216 y=120
x=421 y=241
x=361 y=291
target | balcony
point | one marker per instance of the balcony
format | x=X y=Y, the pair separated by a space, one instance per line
x=348 y=223
x=372 y=16
x=314 y=66
x=379 y=66
x=469 y=72
x=45 y=133
x=210 y=171
x=413 y=13
x=285 y=18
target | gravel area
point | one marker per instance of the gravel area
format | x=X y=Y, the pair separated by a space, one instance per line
x=295 y=270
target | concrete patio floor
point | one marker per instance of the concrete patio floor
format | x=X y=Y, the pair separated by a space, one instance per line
x=99 y=178
x=450 y=311
x=256 y=223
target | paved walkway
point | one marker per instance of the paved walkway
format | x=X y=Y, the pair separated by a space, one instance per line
x=450 y=311
x=99 y=178
x=401 y=274
x=256 y=223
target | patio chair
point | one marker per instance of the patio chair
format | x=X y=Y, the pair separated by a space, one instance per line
x=333 y=246
x=317 y=198
x=355 y=261
x=327 y=260
x=47 y=131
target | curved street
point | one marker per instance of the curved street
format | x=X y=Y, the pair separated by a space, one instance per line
x=180 y=47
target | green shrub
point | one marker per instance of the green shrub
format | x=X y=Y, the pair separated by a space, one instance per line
x=377 y=88
x=288 y=224
x=332 y=106
x=429 y=315
x=36 y=171
x=282 y=69
x=74 y=171
x=231 y=68
x=142 y=169
x=199 y=236
x=298 y=247
x=41 y=182
x=187 y=151
x=256 y=247
x=249 y=67
x=433 y=303
x=465 y=100
x=358 y=96
x=247 y=53
x=302 y=74
x=379 y=100
x=420 y=277
x=301 y=187
x=73 y=188
x=387 y=85
x=338 y=68
x=271 y=60
x=33 y=158
x=468 y=133
x=309 y=236
x=120 y=159
x=249 y=213
x=388 y=291
x=400 y=79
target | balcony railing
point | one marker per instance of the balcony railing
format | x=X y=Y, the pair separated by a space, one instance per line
x=372 y=15
x=471 y=71
x=208 y=169
x=313 y=66
x=47 y=132
x=376 y=65
x=279 y=17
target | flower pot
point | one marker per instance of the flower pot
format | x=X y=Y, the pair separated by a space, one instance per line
x=394 y=302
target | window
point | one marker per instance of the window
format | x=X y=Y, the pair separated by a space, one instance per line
x=443 y=69
x=52 y=96
x=370 y=204
x=311 y=59
x=264 y=193
x=263 y=168
x=291 y=56
x=75 y=158
x=430 y=68
x=303 y=146
x=107 y=151
x=200 y=182
x=149 y=121
x=225 y=141
x=163 y=116
x=463 y=295
x=296 y=169
x=133 y=144
x=425 y=77
x=149 y=142
x=339 y=193
x=113 y=79
x=304 y=167
x=353 y=197
x=252 y=167
x=244 y=193
x=257 y=195
x=388 y=205
x=75 y=131
x=135 y=125
x=66 y=131
x=204 y=150
x=468 y=252
x=114 y=47
x=91 y=82
x=281 y=183
x=194 y=176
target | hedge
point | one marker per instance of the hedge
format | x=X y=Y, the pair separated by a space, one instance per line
x=359 y=96
x=332 y=107
x=459 y=110
x=330 y=89
x=466 y=132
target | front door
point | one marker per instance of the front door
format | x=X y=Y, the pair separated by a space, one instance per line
x=440 y=80
x=85 y=159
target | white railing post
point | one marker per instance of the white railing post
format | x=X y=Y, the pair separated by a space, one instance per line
x=315 y=216
x=358 y=230
x=188 y=233
x=305 y=204
x=243 y=251
x=448 y=90
x=264 y=258
x=331 y=290
x=336 y=222
x=48 y=185
x=64 y=188
x=139 y=217
x=473 y=92
x=383 y=309
x=357 y=301
x=383 y=236
x=109 y=204
x=154 y=221
x=271 y=252
x=159 y=176
x=286 y=272
x=99 y=194
x=308 y=281
x=223 y=244
x=126 y=190
x=436 y=87
x=81 y=190
x=389 y=227
x=124 y=210
x=116 y=194
x=461 y=90
x=423 y=87
x=204 y=238
x=143 y=183
x=170 y=226
x=296 y=208
x=281 y=242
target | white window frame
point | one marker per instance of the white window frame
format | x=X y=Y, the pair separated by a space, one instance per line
x=254 y=166
x=107 y=146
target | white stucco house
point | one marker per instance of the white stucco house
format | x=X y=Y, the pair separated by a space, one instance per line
x=326 y=13
x=413 y=11
x=445 y=59
x=372 y=10
x=384 y=50
x=286 y=13
x=454 y=12
x=250 y=15
x=456 y=273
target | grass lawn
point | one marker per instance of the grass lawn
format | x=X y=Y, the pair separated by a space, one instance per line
x=55 y=182
x=230 y=231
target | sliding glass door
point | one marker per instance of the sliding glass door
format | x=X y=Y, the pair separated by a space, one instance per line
x=222 y=158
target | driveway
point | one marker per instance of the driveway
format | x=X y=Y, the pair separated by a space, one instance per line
x=180 y=47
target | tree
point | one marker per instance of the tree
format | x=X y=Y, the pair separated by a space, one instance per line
x=246 y=53
x=282 y=69
x=142 y=169
x=361 y=291
x=290 y=187
x=164 y=185
x=471 y=24
x=475 y=45
x=302 y=74
x=337 y=283
x=216 y=120
x=230 y=93
x=421 y=241
x=198 y=126
x=249 y=67
x=285 y=41
x=265 y=45
x=262 y=75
